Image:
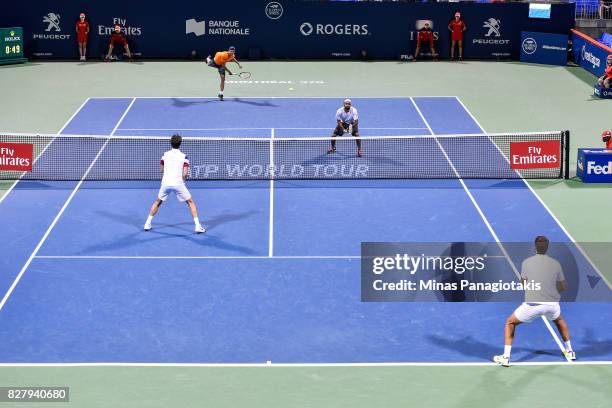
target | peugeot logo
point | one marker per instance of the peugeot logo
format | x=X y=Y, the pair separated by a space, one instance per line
x=306 y=28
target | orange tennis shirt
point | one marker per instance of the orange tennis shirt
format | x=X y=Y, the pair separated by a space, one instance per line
x=222 y=57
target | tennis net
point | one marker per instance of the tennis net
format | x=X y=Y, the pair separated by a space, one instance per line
x=75 y=157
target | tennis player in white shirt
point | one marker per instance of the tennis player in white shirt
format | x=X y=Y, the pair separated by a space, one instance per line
x=346 y=121
x=175 y=166
x=546 y=271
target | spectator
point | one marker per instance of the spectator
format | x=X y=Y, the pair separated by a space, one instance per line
x=605 y=81
x=605 y=9
x=606 y=137
x=118 y=37
x=82 y=29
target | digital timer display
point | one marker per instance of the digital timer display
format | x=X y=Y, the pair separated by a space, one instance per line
x=11 y=42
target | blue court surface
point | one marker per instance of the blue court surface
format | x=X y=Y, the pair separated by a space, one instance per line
x=277 y=275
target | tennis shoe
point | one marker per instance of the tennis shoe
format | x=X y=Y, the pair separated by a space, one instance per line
x=200 y=229
x=569 y=354
x=147 y=226
x=220 y=97
x=359 y=153
x=331 y=150
x=208 y=59
x=502 y=361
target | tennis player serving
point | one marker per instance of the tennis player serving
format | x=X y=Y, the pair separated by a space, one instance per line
x=346 y=121
x=219 y=62
x=175 y=166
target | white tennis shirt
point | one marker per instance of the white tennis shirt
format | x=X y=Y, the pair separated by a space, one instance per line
x=347 y=117
x=547 y=271
x=173 y=161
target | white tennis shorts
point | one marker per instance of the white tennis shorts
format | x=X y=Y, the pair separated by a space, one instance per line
x=528 y=312
x=182 y=194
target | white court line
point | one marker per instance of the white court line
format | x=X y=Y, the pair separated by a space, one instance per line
x=565 y=231
x=271 y=215
x=468 y=192
x=68 y=257
x=306 y=365
x=59 y=214
x=277 y=128
x=202 y=257
x=6 y=193
x=274 y=97
x=546 y=322
x=512 y=265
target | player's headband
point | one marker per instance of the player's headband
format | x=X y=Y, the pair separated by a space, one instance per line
x=609 y=59
x=232 y=48
x=457 y=15
x=347 y=101
x=82 y=15
x=606 y=133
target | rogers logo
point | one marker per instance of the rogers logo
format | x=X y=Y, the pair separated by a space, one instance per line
x=334 y=29
x=306 y=29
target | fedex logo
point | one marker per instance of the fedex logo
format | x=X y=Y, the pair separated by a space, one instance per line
x=593 y=168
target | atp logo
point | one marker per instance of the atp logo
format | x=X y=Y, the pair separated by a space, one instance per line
x=53 y=20
x=493 y=25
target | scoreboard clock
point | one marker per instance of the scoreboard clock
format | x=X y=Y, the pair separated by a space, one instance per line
x=11 y=45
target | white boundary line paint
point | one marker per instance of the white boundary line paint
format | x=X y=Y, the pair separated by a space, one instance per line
x=271 y=215
x=546 y=322
x=59 y=214
x=467 y=190
x=111 y=257
x=565 y=231
x=274 y=97
x=6 y=193
x=501 y=247
x=276 y=128
x=305 y=365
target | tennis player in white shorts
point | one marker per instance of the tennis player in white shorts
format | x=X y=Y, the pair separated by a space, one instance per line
x=175 y=166
x=546 y=271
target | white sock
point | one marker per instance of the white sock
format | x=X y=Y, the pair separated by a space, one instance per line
x=196 y=220
x=507 y=351
x=568 y=346
x=149 y=219
x=220 y=92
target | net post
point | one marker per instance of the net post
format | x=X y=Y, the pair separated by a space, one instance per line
x=566 y=148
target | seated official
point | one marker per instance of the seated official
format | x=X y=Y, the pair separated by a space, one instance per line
x=605 y=81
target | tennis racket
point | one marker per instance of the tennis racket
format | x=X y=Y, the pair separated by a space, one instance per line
x=244 y=74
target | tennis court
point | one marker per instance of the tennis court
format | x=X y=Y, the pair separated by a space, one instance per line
x=276 y=276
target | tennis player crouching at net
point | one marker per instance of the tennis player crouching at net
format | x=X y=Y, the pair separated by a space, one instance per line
x=346 y=121
x=175 y=166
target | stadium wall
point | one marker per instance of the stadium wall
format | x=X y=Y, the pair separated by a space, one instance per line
x=278 y=29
